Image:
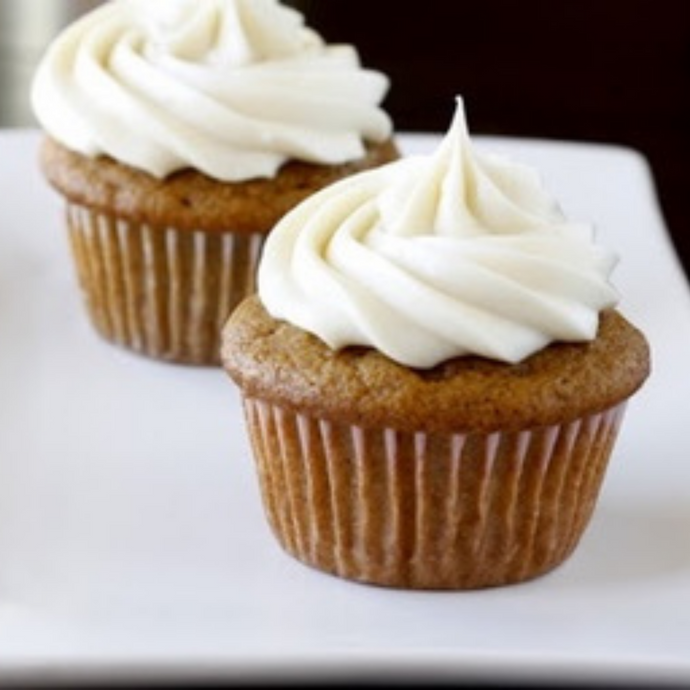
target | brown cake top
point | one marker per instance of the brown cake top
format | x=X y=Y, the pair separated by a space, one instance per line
x=275 y=361
x=189 y=200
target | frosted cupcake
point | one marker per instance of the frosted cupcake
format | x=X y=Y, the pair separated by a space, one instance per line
x=179 y=132
x=434 y=373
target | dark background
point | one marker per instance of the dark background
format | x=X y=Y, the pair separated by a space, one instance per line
x=615 y=71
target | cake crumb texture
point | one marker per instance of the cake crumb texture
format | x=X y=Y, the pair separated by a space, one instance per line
x=190 y=200
x=274 y=361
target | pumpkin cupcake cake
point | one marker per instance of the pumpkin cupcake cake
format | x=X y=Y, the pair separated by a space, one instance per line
x=434 y=373
x=178 y=133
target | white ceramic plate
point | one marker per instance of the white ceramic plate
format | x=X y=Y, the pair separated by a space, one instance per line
x=133 y=543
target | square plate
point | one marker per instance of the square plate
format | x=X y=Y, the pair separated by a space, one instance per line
x=132 y=539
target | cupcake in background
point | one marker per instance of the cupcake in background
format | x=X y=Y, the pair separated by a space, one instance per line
x=178 y=133
x=434 y=373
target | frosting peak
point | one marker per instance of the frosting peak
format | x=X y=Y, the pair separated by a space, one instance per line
x=435 y=257
x=462 y=193
x=233 y=88
x=228 y=34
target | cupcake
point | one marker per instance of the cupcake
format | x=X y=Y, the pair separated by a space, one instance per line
x=179 y=132
x=434 y=372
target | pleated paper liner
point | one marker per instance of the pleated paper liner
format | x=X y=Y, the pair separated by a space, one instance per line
x=162 y=292
x=429 y=510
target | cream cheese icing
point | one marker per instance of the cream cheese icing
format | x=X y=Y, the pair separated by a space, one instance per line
x=232 y=88
x=434 y=257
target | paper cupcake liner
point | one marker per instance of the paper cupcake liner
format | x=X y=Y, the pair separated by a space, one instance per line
x=429 y=510
x=162 y=292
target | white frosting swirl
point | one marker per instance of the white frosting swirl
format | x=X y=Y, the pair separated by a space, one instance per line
x=233 y=88
x=431 y=258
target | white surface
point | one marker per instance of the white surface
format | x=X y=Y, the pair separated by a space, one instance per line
x=132 y=540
